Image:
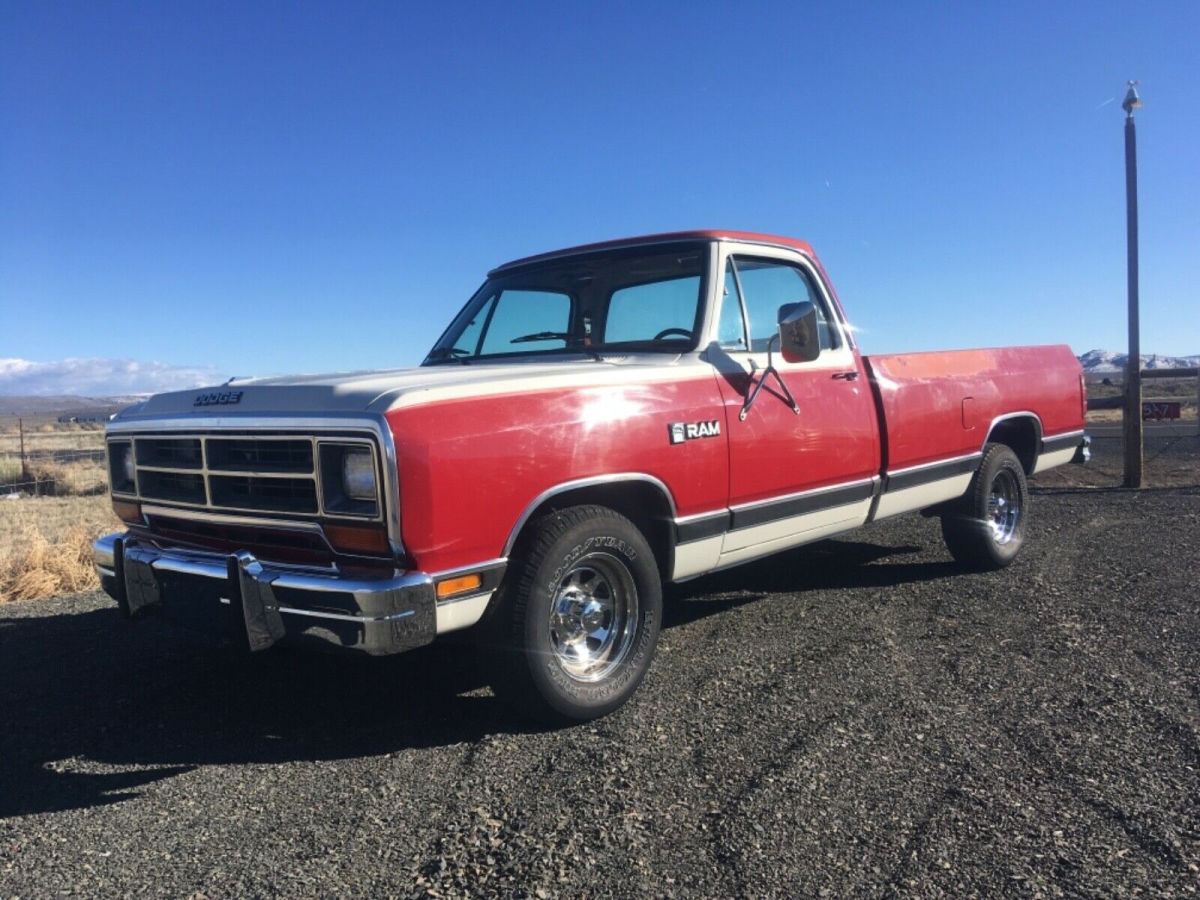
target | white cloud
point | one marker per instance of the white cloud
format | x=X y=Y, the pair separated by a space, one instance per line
x=100 y=377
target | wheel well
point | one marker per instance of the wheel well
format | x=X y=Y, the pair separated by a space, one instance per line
x=639 y=501
x=1022 y=435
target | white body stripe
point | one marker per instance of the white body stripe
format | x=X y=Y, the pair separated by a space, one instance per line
x=578 y=375
x=759 y=540
x=1057 y=458
x=920 y=496
x=454 y=615
x=697 y=557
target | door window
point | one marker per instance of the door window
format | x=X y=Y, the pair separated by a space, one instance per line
x=765 y=285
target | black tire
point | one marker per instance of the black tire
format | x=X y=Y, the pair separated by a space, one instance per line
x=985 y=530
x=532 y=660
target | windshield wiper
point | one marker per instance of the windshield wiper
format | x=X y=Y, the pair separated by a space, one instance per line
x=541 y=336
x=558 y=336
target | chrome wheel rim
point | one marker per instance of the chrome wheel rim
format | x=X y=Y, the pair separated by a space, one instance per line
x=593 y=617
x=1004 y=506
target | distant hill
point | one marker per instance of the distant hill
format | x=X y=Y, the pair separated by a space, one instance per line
x=63 y=405
x=1098 y=361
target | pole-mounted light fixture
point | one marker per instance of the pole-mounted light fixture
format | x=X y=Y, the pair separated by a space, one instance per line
x=1132 y=101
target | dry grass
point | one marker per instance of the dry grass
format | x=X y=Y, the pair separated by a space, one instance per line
x=79 y=477
x=10 y=469
x=45 y=545
x=45 y=541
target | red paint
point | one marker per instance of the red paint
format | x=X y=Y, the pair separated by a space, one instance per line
x=922 y=396
x=833 y=439
x=470 y=467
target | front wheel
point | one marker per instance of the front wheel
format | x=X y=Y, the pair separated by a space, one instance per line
x=578 y=616
x=986 y=528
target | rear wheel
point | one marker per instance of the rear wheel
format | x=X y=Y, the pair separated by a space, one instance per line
x=985 y=530
x=578 y=616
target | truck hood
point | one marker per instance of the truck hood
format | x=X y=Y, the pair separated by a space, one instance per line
x=380 y=390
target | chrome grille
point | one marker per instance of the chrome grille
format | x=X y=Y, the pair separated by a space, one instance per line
x=249 y=473
x=175 y=453
x=255 y=492
x=181 y=487
x=250 y=454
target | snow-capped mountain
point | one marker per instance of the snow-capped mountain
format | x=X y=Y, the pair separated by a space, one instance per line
x=1107 y=361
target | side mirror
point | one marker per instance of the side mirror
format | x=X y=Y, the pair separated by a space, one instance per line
x=798 y=337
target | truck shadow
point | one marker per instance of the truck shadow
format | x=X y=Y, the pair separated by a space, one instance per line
x=828 y=565
x=92 y=709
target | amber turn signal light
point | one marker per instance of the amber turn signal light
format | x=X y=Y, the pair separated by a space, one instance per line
x=129 y=513
x=461 y=585
x=354 y=539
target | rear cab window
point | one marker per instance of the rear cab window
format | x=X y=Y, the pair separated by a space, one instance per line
x=654 y=310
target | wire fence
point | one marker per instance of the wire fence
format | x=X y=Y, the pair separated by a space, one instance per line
x=1169 y=397
x=51 y=458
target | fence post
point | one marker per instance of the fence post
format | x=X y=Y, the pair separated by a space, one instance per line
x=21 y=432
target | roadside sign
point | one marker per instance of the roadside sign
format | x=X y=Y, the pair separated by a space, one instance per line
x=1159 y=410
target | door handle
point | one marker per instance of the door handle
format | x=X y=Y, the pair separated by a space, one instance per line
x=846 y=376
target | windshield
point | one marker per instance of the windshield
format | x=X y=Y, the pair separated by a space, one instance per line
x=635 y=299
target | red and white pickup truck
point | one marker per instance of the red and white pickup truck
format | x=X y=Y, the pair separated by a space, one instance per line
x=595 y=422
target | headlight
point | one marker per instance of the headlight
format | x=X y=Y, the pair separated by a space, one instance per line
x=127 y=464
x=122 y=470
x=358 y=474
x=349 y=481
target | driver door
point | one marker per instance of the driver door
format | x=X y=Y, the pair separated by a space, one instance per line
x=794 y=477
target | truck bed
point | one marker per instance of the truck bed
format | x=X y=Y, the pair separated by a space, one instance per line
x=939 y=405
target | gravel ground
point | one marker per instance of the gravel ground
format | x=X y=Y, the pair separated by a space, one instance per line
x=852 y=718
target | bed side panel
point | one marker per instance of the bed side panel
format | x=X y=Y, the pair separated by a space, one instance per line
x=939 y=405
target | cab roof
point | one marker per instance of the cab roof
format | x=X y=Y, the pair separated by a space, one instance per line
x=703 y=234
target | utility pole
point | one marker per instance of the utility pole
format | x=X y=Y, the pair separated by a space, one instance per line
x=1133 y=365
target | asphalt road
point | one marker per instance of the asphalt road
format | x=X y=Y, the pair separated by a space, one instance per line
x=1185 y=428
x=854 y=718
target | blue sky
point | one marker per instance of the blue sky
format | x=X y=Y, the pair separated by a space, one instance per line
x=267 y=187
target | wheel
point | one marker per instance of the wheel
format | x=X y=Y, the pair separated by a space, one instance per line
x=578 y=616
x=667 y=332
x=986 y=528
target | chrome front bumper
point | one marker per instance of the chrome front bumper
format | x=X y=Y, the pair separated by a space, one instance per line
x=259 y=605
